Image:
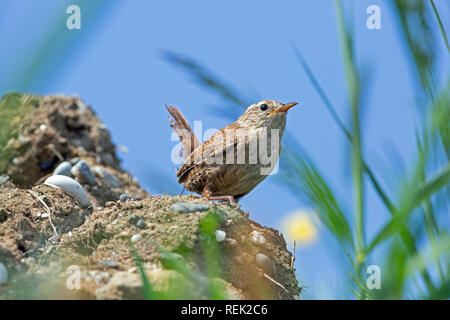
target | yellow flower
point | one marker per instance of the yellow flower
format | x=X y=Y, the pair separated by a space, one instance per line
x=300 y=226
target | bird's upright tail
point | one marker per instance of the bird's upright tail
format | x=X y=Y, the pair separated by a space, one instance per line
x=181 y=127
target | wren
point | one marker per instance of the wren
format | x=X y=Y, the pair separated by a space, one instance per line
x=234 y=160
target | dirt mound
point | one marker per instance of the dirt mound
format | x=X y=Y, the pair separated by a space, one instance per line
x=126 y=244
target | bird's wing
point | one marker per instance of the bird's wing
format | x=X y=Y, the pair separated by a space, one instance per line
x=213 y=148
x=180 y=125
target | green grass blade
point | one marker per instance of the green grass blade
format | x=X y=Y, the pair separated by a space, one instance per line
x=203 y=283
x=329 y=106
x=442 y=292
x=303 y=178
x=440 y=114
x=321 y=93
x=353 y=84
x=419 y=261
x=147 y=291
x=429 y=216
x=16 y=110
x=424 y=191
x=205 y=77
x=419 y=38
x=441 y=26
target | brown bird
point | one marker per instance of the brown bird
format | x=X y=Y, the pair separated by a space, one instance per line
x=236 y=158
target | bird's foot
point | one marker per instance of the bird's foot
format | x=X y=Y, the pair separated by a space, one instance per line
x=206 y=194
x=229 y=199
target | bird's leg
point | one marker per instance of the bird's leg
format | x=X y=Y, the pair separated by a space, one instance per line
x=207 y=195
x=230 y=199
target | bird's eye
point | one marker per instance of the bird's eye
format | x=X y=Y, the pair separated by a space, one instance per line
x=263 y=106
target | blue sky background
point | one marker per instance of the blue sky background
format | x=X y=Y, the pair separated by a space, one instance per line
x=114 y=63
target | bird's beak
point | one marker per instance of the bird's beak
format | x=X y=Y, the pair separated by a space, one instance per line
x=284 y=108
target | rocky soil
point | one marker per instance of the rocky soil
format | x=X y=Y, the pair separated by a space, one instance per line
x=126 y=243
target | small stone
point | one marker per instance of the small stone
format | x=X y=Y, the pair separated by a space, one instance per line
x=136 y=238
x=141 y=224
x=186 y=207
x=27 y=260
x=105 y=158
x=265 y=263
x=83 y=173
x=3 y=274
x=23 y=140
x=257 y=237
x=220 y=235
x=3 y=178
x=107 y=176
x=63 y=169
x=132 y=270
x=15 y=161
x=124 y=197
x=71 y=186
x=109 y=263
x=74 y=161
x=43 y=127
x=133 y=219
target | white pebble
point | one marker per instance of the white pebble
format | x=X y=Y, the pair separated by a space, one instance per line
x=23 y=139
x=63 y=169
x=257 y=237
x=186 y=207
x=265 y=263
x=136 y=238
x=3 y=178
x=3 y=274
x=70 y=186
x=220 y=235
x=43 y=127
